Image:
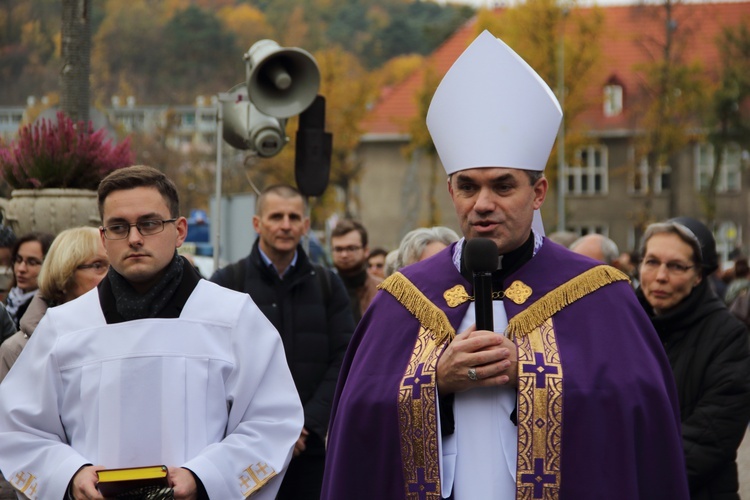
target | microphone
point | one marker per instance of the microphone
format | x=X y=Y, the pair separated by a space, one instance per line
x=481 y=258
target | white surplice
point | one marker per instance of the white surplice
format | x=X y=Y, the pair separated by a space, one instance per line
x=209 y=391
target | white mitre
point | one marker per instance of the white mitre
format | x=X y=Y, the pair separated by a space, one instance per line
x=493 y=110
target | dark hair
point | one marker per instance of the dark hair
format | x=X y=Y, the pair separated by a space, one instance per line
x=346 y=226
x=741 y=268
x=44 y=239
x=282 y=190
x=7 y=237
x=139 y=176
x=533 y=175
x=704 y=236
x=378 y=251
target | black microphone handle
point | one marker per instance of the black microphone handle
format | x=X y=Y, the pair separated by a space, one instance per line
x=483 y=301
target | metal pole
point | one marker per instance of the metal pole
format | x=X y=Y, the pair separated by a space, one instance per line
x=561 y=132
x=216 y=216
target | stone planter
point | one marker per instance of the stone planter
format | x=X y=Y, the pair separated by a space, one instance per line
x=49 y=210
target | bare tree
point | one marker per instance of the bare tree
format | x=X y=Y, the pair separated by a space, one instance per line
x=729 y=120
x=420 y=146
x=671 y=95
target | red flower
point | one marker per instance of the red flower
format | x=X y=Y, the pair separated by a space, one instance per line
x=61 y=155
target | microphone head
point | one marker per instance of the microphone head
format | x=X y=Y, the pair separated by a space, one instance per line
x=480 y=255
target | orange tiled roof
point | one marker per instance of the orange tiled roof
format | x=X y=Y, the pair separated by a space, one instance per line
x=392 y=112
x=624 y=46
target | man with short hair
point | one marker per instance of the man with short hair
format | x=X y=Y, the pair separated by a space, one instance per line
x=570 y=395
x=155 y=366
x=376 y=262
x=598 y=247
x=350 y=252
x=308 y=304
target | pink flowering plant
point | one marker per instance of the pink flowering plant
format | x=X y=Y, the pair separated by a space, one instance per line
x=61 y=155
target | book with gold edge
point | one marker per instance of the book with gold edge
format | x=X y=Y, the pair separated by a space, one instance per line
x=115 y=482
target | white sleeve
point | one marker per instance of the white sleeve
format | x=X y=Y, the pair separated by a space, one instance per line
x=265 y=417
x=34 y=454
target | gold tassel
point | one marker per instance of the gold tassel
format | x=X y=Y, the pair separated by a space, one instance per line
x=428 y=314
x=564 y=295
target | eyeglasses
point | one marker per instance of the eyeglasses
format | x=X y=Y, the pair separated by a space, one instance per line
x=30 y=262
x=349 y=249
x=145 y=227
x=674 y=268
x=98 y=267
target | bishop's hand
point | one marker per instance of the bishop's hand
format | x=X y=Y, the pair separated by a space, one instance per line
x=477 y=358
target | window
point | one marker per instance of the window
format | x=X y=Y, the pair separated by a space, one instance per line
x=127 y=121
x=187 y=120
x=588 y=174
x=728 y=239
x=207 y=121
x=612 y=100
x=638 y=182
x=635 y=235
x=729 y=175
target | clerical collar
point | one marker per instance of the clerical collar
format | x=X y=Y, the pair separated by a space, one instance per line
x=269 y=263
x=509 y=262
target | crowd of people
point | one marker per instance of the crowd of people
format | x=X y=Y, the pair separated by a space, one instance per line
x=600 y=374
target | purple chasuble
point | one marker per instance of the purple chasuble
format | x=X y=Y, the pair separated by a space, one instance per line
x=610 y=426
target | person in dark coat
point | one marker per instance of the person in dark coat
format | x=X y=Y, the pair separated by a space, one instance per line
x=707 y=348
x=309 y=306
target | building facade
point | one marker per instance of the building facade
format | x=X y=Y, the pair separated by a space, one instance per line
x=605 y=184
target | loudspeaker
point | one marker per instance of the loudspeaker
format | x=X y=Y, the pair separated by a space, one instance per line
x=281 y=81
x=245 y=127
x=312 y=158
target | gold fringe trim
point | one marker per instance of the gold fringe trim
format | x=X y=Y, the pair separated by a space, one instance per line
x=428 y=314
x=562 y=296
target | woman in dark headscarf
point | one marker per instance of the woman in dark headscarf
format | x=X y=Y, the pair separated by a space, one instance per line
x=707 y=347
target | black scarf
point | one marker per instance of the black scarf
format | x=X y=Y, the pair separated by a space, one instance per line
x=133 y=305
x=701 y=302
x=355 y=280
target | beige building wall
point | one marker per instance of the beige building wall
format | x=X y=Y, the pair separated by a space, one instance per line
x=394 y=193
x=394 y=197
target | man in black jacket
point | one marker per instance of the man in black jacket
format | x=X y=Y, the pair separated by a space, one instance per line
x=309 y=307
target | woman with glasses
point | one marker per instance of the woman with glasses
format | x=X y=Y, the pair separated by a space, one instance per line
x=707 y=348
x=28 y=255
x=76 y=263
